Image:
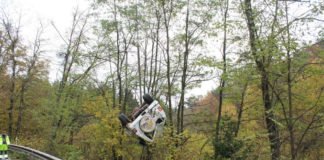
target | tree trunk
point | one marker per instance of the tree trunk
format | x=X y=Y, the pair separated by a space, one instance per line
x=120 y=87
x=150 y=83
x=118 y=72
x=126 y=79
x=169 y=93
x=12 y=92
x=158 y=18
x=289 y=83
x=240 y=109
x=273 y=132
x=223 y=76
x=184 y=74
x=20 y=109
x=138 y=58
x=145 y=67
x=113 y=83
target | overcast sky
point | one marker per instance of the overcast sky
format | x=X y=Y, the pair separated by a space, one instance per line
x=34 y=12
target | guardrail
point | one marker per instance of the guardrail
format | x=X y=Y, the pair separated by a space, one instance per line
x=32 y=152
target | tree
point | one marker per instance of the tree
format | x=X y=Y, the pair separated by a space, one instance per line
x=168 y=10
x=224 y=70
x=71 y=79
x=34 y=67
x=14 y=50
x=262 y=61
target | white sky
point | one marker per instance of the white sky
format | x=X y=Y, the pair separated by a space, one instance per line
x=32 y=12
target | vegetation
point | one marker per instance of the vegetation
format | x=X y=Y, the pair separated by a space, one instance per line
x=269 y=103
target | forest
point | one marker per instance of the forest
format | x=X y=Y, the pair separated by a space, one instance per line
x=265 y=58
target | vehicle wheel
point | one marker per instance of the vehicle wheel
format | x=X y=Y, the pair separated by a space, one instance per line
x=147 y=124
x=148 y=99
x=123 y=119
